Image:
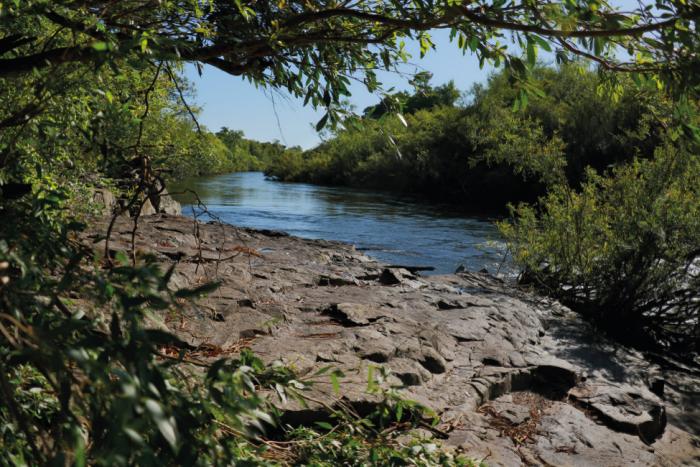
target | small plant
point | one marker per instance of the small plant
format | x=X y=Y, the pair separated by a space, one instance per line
x=380 y=437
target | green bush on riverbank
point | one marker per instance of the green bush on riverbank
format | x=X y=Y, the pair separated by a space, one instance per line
x=624 y=249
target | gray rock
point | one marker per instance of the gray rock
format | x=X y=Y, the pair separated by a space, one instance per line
x=458 y=344
x=355 y=314
x=105 y=200
x=147 y=208
x=433 y=361
x=633 y=410
x=410 y=372
x=399 y=276
x=167 y=205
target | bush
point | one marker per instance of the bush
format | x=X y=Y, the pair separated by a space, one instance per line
x=624 y=250
x=83 y=382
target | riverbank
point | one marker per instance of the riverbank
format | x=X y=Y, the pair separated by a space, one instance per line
x=516 y=379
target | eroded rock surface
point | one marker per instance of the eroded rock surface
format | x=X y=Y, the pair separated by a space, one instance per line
x=517 y=379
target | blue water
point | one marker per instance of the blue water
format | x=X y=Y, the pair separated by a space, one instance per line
x=391 y=228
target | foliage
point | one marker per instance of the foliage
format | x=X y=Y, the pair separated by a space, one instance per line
x=350 y=445
x=313 y=49
x=483 y=155
x=599 y=124
x=348 y=438
x=105 y=123
x=85 y=383
x=624 y=249
x=423 y=97
x=250 y=155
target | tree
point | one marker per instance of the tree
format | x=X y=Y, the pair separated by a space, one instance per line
x=231 y=138
x=314 y=48
x=424 y=97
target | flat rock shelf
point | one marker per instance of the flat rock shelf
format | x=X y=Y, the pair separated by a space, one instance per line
x=516 y=379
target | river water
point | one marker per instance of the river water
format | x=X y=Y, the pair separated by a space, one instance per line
x=394 y=229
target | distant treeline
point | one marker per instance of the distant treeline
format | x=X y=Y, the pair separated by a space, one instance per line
x=176 y=143
x=221 y=152
x=474 y=149
x=248 y=154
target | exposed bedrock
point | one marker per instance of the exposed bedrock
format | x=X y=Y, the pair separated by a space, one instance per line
x=517 y=379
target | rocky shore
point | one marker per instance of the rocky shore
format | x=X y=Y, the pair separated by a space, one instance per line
x=517 y=379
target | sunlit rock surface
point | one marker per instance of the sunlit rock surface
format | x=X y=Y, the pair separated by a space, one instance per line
x=517 y=379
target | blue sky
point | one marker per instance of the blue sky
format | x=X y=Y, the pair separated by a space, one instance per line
x=232 y=102
x=229 y=101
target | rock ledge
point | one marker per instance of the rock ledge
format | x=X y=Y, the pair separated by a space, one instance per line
x=517 y=379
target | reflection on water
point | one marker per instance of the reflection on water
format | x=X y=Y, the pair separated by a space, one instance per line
x=394 y=229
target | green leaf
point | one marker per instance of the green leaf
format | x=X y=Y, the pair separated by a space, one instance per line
x=165 y=425
x=531 y=53
x=133 y=435
x=516 y=104
x=120 y=257
x=335 y=383
x=322 y=371
x=523 y=99
x=79 y=454
x=371 y=382
x=325 y=425
x=402 y=119
x=542 y=43
x=322 y=123
x=167 y=429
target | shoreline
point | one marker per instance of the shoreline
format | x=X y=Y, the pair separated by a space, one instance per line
x=392 y=229
x=488 y=358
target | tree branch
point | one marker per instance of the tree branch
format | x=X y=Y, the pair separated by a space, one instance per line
x=296 y=31
x=13 y=41
x=633 y=31
x=10 y=67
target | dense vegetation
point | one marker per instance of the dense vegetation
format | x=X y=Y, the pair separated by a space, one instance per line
x=623 y=248
x=466 y=153
x=250 y=155
x=91 y=95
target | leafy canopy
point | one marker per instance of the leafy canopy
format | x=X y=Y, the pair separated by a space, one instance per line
x=314 y=48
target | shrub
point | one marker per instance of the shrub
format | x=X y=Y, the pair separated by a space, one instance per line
x=624 y=250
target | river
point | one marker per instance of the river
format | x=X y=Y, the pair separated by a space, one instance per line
x=392 y=228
